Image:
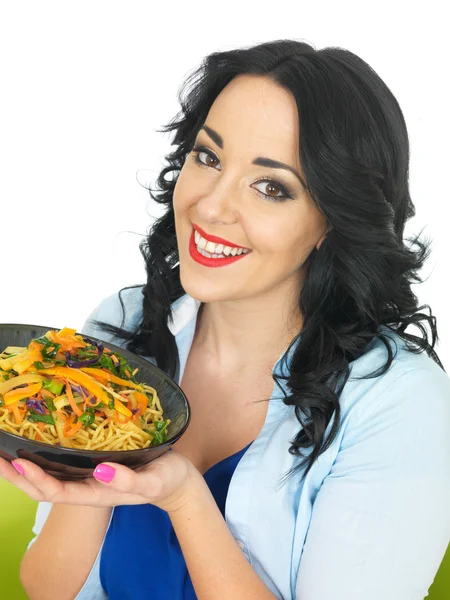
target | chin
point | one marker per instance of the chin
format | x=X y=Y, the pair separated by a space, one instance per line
x=203 y=290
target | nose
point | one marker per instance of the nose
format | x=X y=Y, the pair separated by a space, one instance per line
x=219 y=204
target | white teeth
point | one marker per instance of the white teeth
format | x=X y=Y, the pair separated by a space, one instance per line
x=211 y=249
x=203 y=252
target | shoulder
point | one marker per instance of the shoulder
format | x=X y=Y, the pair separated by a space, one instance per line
x=121 y=309
x=415 y=372
x=408 y=405
x=125 y=309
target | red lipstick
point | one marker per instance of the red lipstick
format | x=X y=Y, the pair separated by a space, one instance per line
x=211 y=262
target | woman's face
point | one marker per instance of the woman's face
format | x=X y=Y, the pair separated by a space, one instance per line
x=226 y=195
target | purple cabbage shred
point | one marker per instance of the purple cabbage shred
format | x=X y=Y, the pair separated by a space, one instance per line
x=80 y=364
x=35 y=404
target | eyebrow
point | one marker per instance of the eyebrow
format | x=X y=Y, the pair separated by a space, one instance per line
x=261 y=161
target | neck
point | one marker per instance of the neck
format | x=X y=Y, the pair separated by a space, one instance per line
x=258 y=327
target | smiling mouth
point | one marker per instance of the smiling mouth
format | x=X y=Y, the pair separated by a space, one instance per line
x=214 y=254
x=215 y=250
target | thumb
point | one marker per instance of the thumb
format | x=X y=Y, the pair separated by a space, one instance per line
x=124 y=479
x=154 y=481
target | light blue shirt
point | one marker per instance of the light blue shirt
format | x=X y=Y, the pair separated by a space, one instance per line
x=371 y=520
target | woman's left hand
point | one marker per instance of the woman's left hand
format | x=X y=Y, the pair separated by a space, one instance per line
x=167 y=482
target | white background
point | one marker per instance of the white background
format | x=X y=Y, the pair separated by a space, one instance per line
x=85 y=86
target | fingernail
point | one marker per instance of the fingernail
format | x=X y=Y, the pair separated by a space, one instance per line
x=18 y=467
x=104 y=473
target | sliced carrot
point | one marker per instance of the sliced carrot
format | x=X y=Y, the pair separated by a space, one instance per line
x=69 y=428
x=74 y=429
x=41 y=429
x=73 y=404
x=62 y=415
x=17 y=414
x=67 y=340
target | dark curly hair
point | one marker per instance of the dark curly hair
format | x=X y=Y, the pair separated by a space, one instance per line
x=354 y=153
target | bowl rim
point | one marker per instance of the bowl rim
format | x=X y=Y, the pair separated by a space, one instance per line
x=136 y=357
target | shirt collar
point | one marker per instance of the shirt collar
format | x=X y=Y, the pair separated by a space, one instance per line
x=185 y=310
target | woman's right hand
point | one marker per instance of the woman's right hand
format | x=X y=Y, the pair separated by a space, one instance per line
x=166 y=482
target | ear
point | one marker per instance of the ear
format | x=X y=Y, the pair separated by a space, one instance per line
x=319 y=243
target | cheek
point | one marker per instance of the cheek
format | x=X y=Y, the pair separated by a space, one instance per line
x=286 y=240
x=186 y=189
x=281 y=237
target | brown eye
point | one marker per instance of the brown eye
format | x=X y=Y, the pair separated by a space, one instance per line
x=204 y=158
x=270 y=189
x=210 y=160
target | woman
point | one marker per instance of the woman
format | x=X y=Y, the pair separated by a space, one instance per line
x=278 y=272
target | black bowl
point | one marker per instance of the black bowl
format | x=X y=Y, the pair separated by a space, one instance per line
x=71 y=465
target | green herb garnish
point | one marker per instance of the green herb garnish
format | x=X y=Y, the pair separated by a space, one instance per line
x=35 y=418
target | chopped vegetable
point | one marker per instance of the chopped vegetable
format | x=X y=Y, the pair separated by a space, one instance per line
x=15 y=382
x=70 y=427
x=79 y=377
x=78 y=364
x=122 y=408
x=42 y=418
x=50 y=350
x=87 y=418
x=73 y=404
x=105 y=376
x=79 y=393
x=35 y=405
x=21 y=393
x=50 y=405
x=53 y=386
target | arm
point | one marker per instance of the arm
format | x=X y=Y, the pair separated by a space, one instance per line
x=59 y=561
x=381 y=520
x=217 y=567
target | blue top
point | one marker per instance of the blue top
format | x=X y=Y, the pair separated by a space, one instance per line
x=371 y=518
x=145 y=536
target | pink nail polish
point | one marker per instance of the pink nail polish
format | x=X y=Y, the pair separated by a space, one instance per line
x=18 y=467
x=104 y=473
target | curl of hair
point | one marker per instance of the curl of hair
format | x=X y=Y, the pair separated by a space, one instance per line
x=354 y=153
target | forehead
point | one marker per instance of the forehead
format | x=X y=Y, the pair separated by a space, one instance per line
x=255 y=114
